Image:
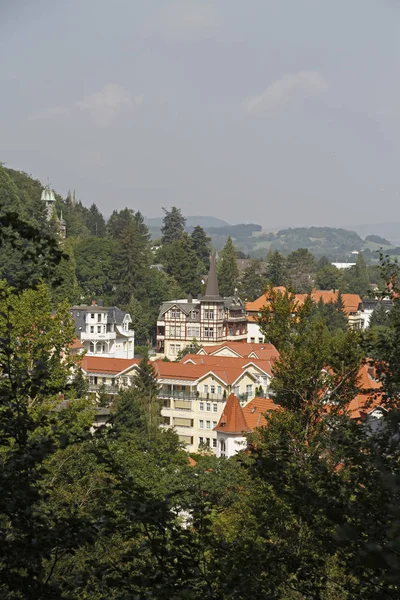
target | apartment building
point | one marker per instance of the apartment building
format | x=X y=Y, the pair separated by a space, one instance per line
x=209 y=319
x=353 y=308
x=104 y=331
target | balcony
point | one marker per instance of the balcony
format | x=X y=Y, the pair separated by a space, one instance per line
x=89 y=337
x=101 y=387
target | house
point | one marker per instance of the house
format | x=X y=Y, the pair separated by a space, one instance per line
x=108 y=375
x=237 y=421
x=242 y=350
x=194 y=393
x=353 y=308
x=209 y=319
x=104 y=331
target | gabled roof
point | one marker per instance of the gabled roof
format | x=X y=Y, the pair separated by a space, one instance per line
x=351 y=302
x=243 y=350
x=228 y=362
x=232 y=419
x=108 y=366
x=255 y=410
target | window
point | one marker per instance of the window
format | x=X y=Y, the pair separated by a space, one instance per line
x=172 y=349
x=214 y=443
x=201 y=406
x=98 y=328
x=193 y=331
x=208 y=424
x=222 y=447
x=99 y=317
x=209 y=332
x=205 y=388
x=208 y=406
x=260 y=340
x=175 y=314
x=92 y=316
x=212 y=389
x=178 y=348
x=236 y=390
x=104 y=380
x=207 y=440
x=91 y=347
x=91 y=329
x=194 y=315
x=249 y=390
x=201 y=424
x=252 y=340
x=214 y=424
x=200 y=440
x=219 y=390
x=175 y=331
x=215 y=407
x=209 y=314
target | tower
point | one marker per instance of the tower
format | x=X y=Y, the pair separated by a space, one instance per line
x=50 y=200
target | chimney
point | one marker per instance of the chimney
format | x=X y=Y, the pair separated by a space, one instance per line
x=94 y=303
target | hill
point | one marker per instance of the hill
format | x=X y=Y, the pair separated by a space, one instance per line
x=203 y=221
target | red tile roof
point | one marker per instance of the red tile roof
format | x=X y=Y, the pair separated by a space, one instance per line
x=255 y=410
x=244 y=349
x=111 y=366
x=227 y=362
x=232 y=419
x=228 y=374
x=351 y=301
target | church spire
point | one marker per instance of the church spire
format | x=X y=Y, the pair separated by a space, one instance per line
x=212 y=282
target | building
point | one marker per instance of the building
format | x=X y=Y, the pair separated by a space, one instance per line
x=210 y=319
x=236 y=422
x=104 y=330
x=108 y=375
x=353 y=308
x=49 y=199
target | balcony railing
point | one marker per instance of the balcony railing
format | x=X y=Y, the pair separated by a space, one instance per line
x=109 y=335
x=101 y=387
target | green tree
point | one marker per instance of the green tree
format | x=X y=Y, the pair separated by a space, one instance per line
x=227 y=269
x=201 y=245
x=328 y=278
x=301 y=269
x=66 y=274
x=182 y=264
x=191 y=348
x=380 y=316
x=253 y=281
x=276 y=270
x=355 y=279
x=173 y=226
x=118 y=221
x=95 y=222
x=94 y=266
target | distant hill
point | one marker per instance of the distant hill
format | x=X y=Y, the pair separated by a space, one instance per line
x=390 y=231
x=203 y=221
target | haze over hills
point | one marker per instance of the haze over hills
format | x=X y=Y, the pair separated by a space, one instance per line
x=391 y=231
x=204 y=221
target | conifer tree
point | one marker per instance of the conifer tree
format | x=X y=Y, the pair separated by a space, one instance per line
x=227 y=269
x=173 y=226
x=95 y=222
x=276 y=270
x=201 y=245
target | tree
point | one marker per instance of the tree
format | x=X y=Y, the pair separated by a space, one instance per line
x=227 y=270
x=118 y=221
x=276 y=270
x=94 y=267
x=301 y=269
x=132 y=260
x=380 y=316
x=328 y=278
x=173 y=226
x=252 y=281
x=66 y=274
x=182 y=264
x=355 y=279
x=95 y=222
x=192 y=348
x=201 y=245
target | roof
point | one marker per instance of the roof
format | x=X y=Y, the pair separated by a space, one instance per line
x=232 y=419
x=76 y=344
x=351 y=302
x=212 y=291
x=227 y=374
x=255 y=410
x=228 y=362
x=109 y=366
x=244 y=349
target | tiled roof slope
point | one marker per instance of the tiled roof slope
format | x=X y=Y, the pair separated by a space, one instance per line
x=351 y=301
x=232 y=419
x=112 y=366
x=255 y=410
x=244 y=349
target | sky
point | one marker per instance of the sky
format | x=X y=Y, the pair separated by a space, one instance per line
x=277 y=112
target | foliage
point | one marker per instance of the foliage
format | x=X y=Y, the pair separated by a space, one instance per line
x=201 y=246
x=328 y=277
x=300 y=270
x=182 y=264
x=252 y=281
x=173 y=226
x=355 y=279
x=276 y=270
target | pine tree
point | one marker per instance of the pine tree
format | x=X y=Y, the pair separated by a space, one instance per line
x=228 y=272
x=173 y=225
x=356 y=280
x=276 y=270
x=95 y=222
x=201 y=245
x=253 y=282
x=301 y=269
x=182 y=264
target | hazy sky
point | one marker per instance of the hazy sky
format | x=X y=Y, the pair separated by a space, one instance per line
x=279 y=112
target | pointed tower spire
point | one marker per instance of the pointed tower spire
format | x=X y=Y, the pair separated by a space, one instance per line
x=212 y=282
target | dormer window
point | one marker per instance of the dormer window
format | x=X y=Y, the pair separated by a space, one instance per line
x=175 y=313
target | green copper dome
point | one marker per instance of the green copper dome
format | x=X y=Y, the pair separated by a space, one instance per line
x=48 y=194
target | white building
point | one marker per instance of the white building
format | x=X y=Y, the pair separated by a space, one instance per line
x=104 y=331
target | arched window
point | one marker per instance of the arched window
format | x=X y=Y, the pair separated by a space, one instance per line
x=222 y=447
x=91 y=348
